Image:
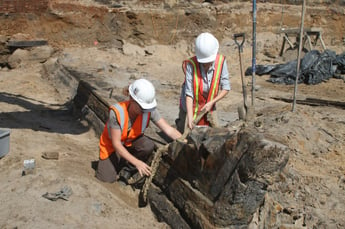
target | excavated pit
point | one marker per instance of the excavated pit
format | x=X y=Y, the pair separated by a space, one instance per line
x=219 y=178
x=228 y=177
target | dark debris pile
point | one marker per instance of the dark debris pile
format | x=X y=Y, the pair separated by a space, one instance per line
x=315 y=67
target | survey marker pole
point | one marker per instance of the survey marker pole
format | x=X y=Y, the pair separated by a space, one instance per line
x=301 y=36
x=254 y=51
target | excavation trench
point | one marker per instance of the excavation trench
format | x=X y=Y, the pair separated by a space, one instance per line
x=219 y=178
x=223 y=177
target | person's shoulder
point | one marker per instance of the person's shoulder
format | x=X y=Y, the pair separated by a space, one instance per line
x=155 y=115
x=119 y=104
x=191 y=58
x=155 y=112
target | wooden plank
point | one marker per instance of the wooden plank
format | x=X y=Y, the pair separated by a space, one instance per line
x=297 y=30
x=165 y=210
x=86 y=96
x=315 y=102
x=24 y=44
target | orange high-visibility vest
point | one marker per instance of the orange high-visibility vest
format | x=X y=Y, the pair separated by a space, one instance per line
x=127 y=136
x=199 y=101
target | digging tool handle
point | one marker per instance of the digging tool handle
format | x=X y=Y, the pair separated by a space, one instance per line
x=187 y=131
x=156 y=159
x=238 y=36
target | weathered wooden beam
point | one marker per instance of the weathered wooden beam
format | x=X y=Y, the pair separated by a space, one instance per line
x=86 y=96
x=90 y=106
x=25 y=44
x=170 y=215
x=314 y=102
x=217 y=185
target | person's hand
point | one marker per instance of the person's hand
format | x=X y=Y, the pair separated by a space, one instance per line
x=143 y=168
x=208 y=106
x=190 y=123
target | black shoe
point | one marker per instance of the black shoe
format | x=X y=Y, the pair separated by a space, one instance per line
x=124 y=176
x=137 y=181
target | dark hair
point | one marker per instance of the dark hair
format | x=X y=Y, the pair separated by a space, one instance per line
x=125 y=91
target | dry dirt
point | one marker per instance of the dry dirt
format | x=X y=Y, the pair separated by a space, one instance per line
x=161 y=35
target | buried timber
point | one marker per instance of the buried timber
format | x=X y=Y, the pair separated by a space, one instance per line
x=218 y=179
x=308 y=193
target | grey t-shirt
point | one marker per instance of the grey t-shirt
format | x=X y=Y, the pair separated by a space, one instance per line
x=188 y=90
x=114 y=124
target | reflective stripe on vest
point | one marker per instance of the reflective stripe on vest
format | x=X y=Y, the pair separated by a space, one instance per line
x=146 y=116
x=198 y=82
x=138 y=126
x=121 y=118
x=216 y=76
x=137 y=129
x=121 y=114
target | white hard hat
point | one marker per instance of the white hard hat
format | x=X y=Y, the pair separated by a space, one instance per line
x=206 y=48
x=143 y=92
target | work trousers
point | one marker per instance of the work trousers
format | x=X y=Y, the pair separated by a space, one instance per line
x=108 y=169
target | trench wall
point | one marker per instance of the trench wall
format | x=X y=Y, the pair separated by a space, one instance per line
x=23 y=6
x=37 y=6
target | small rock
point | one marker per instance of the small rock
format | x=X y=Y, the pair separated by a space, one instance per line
x=50 y=155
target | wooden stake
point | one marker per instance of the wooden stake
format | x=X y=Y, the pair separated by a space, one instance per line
x=156 y=159
x=301 y=35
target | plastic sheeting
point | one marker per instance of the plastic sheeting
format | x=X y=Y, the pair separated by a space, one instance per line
x=315 y=68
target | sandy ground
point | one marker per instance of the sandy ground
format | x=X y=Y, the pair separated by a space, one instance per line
x=37 y=114
x=39 y=122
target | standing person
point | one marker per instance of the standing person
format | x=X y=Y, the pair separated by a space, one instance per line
x=123 y=143
x=206 y=82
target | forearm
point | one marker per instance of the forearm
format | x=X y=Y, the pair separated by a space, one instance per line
x=119 y=147
x=220 y=95
x=168 y=130
x=123 y=152
x=189 y=107
x=173 y=133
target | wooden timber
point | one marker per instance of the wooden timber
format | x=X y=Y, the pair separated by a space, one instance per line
x=308 y=33
x=315 y=102
x=92 y=107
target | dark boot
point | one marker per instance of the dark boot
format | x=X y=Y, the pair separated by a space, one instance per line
x=126 y=173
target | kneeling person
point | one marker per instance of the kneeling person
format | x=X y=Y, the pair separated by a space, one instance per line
x=123 y=143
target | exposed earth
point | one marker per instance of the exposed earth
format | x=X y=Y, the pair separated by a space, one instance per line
x=114 y=42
